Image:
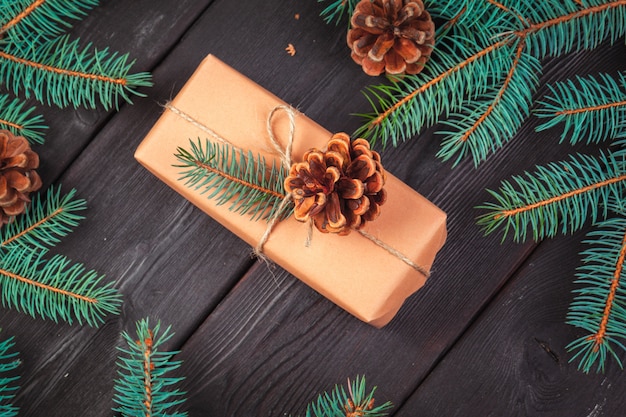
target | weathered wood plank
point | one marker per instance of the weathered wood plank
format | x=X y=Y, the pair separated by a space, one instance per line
x=513 y=361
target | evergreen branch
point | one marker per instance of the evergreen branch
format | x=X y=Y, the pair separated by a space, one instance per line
x=59 y=72
x=54 y=288
x=141 y=388
x=356 y=403
x=600 y=307
x=228 y=174
x=8 y=363
x=559 y=196
x=564 y=33
x=457 y=71
x=21 y=18
x=409 y=105
x=337 y=9
x=45 y=221
x=16 y=119
x=487 y=125
x=591 y=109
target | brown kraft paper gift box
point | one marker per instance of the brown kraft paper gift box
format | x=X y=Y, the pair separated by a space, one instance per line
x=353 y=272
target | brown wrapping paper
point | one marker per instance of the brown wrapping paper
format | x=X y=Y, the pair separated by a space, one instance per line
x=351 y=271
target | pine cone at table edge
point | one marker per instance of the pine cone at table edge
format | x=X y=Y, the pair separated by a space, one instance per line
x=18 y=177
x=392 y=36
x=340 y=189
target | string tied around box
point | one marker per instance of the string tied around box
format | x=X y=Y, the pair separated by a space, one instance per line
x=336 y=191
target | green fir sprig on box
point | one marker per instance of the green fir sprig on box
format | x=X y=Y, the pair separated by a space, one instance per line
x=230 y=175
x=143 y=389
x=53 y=288
x=357 y=401
x=484 y=70
x=8 y=363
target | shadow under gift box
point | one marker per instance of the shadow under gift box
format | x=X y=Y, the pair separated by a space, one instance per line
x=352 y=271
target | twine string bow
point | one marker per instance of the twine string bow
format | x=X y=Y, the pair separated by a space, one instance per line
x=285 y=157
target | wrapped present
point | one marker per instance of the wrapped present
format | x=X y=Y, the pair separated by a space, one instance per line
x=369 y=272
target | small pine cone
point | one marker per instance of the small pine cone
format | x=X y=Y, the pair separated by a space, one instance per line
x=340 y=189
x=18 y=177
x=392 y=36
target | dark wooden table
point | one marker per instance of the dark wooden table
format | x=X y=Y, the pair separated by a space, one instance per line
x=486 y=336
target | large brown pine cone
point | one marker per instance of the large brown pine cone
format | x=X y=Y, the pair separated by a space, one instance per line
x=18 y=177
x=392 y=36
x=340 y=189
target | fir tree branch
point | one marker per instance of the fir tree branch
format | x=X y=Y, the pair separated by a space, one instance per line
x=55 y=288
x=489 y=124
x=562 y=34
x=600 y=307
x=21 y=18
x=141 y=388
x=357 y=402
x=228 y=174
x=453 y=76
x=408 y=105
x=59 y=72
x=8 y=363
x=45 y=221
x=557 y=197
x=15 y=118
x=591 y=109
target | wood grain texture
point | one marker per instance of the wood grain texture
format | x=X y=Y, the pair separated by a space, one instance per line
x=254 y=339
x=513 y=360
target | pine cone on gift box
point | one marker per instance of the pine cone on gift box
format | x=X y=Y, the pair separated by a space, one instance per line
x=18 y=177
x=340 y=189
x=392 y=36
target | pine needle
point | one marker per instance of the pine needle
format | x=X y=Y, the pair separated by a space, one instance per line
x=356 y=402
x=486 y=124
x=20 y=121
x=230 y=175
x=469 y=79
x=142 y=387
x=561 y=26
x=61 y=72
x=599 y=308
x=591 y=109
x=55 y=288
x=559 y=197
x=405 y=107
x=8 y=363
x=20 y=18
x=46 y=220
